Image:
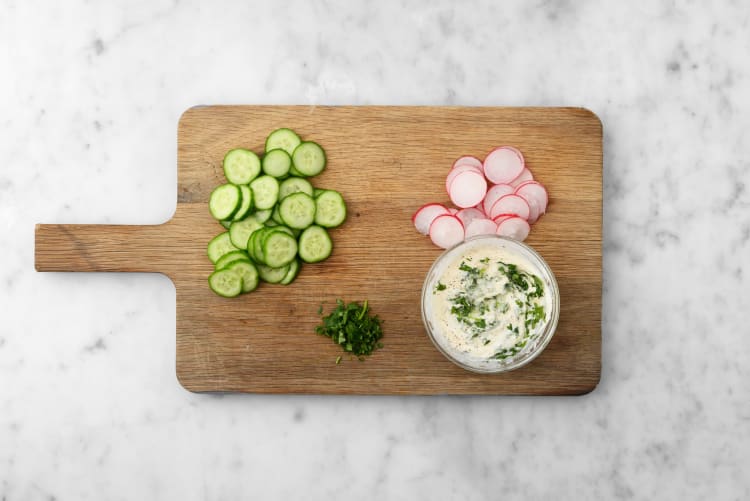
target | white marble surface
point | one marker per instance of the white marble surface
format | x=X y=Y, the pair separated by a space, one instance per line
x=90 y=93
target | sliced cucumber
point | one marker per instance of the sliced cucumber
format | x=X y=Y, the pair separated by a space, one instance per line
x=275 y=216
x=225 y=283
x=279 y=248
x=330 y=209
x=230 y=257
x=297 y=210
x=241 y=166
x=294 y=172
x=245 y=205
x=286 y=139
x=226 y=224
x=271 y=223
x=315 y=244
x=248 y=272
x=317 y=192
x=255 y=245
x=309 y=158
x=224 y=201
x=240 y=231
x=272 y=275
x=294 y=185
x=265 y=191
x=294 y=267
x=219 y=245
x=277 y=163
x=262 y=215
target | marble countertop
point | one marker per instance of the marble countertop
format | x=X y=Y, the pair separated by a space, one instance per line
x=90 y=95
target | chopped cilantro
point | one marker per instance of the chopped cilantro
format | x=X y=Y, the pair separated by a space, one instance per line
x=351 y=327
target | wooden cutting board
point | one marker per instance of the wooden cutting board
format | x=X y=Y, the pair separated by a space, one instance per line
x=386 y=161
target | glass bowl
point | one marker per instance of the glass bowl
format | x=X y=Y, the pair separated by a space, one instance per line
x=517 y=253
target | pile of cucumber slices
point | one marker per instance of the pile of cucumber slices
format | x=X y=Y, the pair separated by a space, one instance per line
x=274 y=217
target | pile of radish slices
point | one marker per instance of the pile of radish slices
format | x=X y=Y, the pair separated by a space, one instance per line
x=497 y=196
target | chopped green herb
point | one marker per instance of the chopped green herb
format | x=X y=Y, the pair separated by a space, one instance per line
x=352 y=327
x=338 y=360
x=440 y=286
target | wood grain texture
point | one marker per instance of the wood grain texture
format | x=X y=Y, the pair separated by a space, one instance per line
x=387 y=161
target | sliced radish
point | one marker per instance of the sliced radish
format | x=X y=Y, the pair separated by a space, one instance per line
x=523 y=177
x=494 y=194
x=502 y=217
x=510 y=204
x=536 y=196
x=468 y=215
x=514 y=227
x=458 y=170
x=453 y=211
x=481 y=226
x=426 y=214
x=503 y=164
x=468 y=160
x=468 y=189
x=446 y=231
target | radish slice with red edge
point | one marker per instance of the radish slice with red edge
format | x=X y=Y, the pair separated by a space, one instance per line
x=468 y=160
x=514 y=227
x=481 y=226
x=458 y=170
x=494 y=194
x=503 y=164
x=468 y=215
x=453 y=211
x=533 y=189
x=426 y=214
x=468 y=189
x=523 y=177
x=510 y=204
x=502 y=217
x=446 y=231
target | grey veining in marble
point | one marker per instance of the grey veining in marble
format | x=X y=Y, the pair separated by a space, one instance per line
x=90 y=94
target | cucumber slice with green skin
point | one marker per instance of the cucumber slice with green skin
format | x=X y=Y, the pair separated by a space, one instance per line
x=317 y=192
x=309 y=158
x=294 y=172
x=226 y=224
x=271 y=223
x=272 y=275
x=245 y=205
x=230 y=257
x=283 y=228
x=315 y=244
x=240 y=231
x=330 y=209
x=279 y=249
x=224 y=201
x=277 y=163
x=248 y=272
x=219 y=245
x=275 y=216
x=294 y=185
x=241 y=166
x=297 y=210
x=284 y=138
x=294 y=267
x=262 y=215
x=265 y=192
x=255 y=245
x=225 y=283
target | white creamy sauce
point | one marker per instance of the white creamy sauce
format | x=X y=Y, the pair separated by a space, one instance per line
x=488 y=305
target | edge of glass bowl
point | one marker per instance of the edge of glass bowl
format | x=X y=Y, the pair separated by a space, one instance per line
x=550 y=328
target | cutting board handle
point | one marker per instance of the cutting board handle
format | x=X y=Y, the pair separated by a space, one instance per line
x=99 y=247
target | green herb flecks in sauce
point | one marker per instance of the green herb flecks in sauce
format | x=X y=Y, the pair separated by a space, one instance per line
x=494 y=296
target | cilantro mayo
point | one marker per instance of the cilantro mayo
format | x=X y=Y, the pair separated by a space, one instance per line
x=487 y=305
